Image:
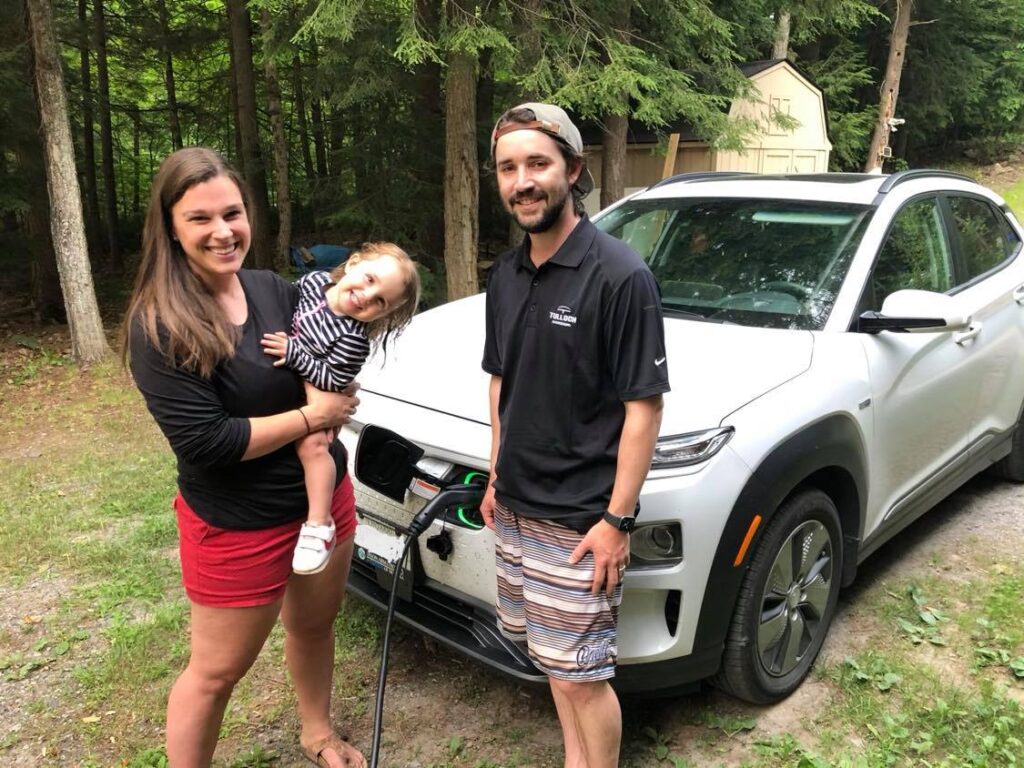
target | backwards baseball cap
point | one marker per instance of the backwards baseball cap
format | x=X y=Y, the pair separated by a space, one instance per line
x=552 y=120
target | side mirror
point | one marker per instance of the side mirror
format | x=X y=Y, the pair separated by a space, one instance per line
x=915 y=311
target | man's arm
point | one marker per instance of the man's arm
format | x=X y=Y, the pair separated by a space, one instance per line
x=487 y=505
x=609 y=545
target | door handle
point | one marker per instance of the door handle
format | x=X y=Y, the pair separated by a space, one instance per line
x=963 y=337
x=1018 y=294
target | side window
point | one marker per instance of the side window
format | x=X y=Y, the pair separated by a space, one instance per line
x=914 y=255
x=984 y=242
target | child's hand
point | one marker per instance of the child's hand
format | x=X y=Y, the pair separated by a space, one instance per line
x=276 y=344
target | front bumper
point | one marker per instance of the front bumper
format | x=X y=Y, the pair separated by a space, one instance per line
x=473 y=631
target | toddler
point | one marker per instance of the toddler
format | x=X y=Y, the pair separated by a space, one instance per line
x=363 y=302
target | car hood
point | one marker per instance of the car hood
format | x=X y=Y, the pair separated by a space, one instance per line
x=713 y=368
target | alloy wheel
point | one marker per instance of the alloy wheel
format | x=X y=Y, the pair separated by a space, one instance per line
x=795 y=598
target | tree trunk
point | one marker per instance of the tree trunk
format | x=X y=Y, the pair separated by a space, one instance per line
x=616 y=124
x=613 y=157
x=317 y=115
x=430 y=158
x=890 y=85
x=461 y=180
x=172 y=96
x=88 y=343
x=47 y=303
x=136 y=157
x=284 y=203
x=299 y=91
x=255 y=173
x=780 y=45
x=235 y=123
x=93 y=225
x=106 y=137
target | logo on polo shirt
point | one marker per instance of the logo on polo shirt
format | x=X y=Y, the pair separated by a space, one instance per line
x=563 y=315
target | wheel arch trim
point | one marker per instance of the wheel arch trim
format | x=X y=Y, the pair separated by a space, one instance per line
x=828 y=455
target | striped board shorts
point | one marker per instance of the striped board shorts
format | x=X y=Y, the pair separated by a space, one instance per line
x=546 y=603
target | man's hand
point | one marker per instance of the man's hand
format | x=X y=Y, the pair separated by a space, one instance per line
x=276 y=344
x=610 y=548
x=487 y=505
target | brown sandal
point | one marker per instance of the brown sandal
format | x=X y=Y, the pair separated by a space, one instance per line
x=314 y=752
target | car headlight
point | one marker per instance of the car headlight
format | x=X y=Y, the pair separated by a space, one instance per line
x=690 y=448
x=655 y=545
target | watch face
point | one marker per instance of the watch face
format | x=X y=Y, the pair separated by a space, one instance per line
x=622 y=523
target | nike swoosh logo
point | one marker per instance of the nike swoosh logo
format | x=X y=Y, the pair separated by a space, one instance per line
x=659 y=361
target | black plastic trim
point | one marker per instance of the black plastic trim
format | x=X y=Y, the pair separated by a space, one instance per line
x=454 y=623
x=833 y=442
x=983 y=454
x=469 y=630
x=899 y=177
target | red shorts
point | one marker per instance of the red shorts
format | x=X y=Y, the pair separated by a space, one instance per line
x=225 y=568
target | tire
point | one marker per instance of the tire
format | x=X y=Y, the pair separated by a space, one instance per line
x=786 y=602
x=1011 y=466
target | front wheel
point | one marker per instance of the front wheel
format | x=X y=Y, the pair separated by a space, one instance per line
x=786 y=602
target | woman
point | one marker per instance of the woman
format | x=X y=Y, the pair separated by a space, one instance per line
x=192 y=334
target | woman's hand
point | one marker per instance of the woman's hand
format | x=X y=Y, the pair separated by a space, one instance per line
x=330 y=409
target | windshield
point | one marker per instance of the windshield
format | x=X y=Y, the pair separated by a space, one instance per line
x=764 y=263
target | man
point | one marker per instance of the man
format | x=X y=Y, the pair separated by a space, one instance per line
x=575 y=348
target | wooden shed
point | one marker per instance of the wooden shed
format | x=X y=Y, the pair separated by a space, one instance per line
x=780 y=86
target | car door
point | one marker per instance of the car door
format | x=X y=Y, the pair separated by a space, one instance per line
x=924 y=387
x=987 y=250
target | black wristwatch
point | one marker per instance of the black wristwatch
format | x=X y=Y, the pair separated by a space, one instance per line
x=621 y=523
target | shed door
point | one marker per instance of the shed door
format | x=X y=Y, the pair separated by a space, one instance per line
x=777 y=161
x=805 y=163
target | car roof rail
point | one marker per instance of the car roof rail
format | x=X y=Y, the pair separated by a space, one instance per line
x=919 y=173
x=700 y=176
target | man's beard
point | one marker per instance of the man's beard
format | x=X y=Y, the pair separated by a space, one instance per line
x=547 y=219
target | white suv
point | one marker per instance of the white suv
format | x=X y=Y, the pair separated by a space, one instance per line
x=845 y=350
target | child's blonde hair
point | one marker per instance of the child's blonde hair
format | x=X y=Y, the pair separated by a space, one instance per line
x=392 y=324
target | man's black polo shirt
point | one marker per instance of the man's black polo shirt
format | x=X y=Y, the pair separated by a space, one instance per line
x=571 y=341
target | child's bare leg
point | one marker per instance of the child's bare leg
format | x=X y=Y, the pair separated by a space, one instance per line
x=319 y=469
x=317 y=536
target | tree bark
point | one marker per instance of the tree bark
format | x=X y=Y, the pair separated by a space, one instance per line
x=284 y=203
x=234 y=127
x=299 y=90
x=106 y=137
x=430 y=158
x=317 y=115
x=780 y=45
x=47 y=303
x=890 y=84
x=93 y=225
x=255 y=173
x=172 y=97
x=461 y=180
x=88 y=343
x=136 y=157
x=616 y=125
x=613 y=157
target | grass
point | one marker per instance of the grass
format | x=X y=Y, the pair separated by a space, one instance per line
x=95 y=631
x=1014 y=197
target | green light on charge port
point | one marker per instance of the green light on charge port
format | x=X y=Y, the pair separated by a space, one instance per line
x=460 y=512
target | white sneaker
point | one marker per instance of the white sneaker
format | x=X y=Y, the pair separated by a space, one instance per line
x=313 y=549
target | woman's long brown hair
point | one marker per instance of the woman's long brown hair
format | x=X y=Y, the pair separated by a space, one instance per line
x=169 y=303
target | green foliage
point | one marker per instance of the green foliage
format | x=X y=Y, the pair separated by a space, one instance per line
x=841 y=75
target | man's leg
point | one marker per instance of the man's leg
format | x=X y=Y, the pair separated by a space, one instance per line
x=591 y=722
x=572 y=636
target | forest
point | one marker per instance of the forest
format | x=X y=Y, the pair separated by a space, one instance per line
x=360 y=119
